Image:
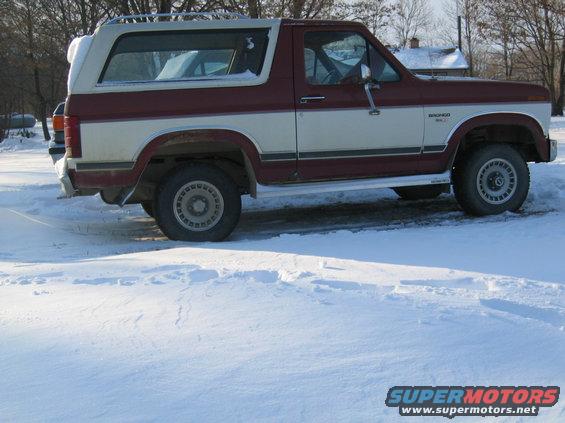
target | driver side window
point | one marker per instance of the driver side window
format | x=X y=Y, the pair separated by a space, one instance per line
x=335 y=58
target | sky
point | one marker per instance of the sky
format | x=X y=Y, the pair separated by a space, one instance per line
x=434 y=37
x=439 y=11
x=437 y=5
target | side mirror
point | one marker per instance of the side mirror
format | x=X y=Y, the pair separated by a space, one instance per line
x=367 y=79
x=366 y=75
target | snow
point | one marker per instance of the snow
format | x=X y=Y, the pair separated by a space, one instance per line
x=16 y=140
x=431 y=58
x=310 y=312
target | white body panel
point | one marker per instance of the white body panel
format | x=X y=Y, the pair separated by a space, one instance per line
x=124 y=140
x=438 y=129
x=356 y=129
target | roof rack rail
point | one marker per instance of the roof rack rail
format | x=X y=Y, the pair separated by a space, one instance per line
x=148 y=16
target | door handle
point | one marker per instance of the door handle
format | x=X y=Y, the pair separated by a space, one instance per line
x=309 y=98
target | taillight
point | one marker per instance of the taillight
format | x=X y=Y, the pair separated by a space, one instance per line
x=72 y=136
x=58 y=123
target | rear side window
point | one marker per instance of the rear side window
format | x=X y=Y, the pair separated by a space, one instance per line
x=186 y=55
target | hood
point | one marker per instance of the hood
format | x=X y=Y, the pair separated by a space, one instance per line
x=474 y=90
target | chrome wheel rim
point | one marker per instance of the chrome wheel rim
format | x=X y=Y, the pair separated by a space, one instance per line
x=497 y=181
x=198 y=206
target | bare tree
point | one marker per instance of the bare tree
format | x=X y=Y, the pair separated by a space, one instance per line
x=11 y=95
x=498 y=26
x=541 y=40
x=24 y=18
x=375 y=14
x=254 y=8
x=473 y=41
x=470 y=11
x=140 y=7
x=410 y=18
x=297 y=9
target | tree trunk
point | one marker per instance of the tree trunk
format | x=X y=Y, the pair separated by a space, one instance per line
x=165 y=6
x=44 y=126
x=253 y=8
x=41 y=104
x=297 y=8
x=560 y=103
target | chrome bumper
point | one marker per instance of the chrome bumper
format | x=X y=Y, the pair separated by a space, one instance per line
x=64 y=179
x=552 y=149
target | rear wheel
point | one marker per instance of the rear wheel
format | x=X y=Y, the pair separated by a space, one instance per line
x=107 y=198
x=197 y=202
x=421 y=192
x=491 y=180
x=147 y=206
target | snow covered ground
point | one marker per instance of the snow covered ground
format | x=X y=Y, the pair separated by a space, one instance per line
x=310 y=312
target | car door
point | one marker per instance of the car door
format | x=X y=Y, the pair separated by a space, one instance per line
x=337 y=137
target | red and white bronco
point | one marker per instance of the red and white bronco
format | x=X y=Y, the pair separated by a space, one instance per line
x=185 y=116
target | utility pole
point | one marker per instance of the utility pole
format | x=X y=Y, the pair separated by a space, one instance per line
x=459 y=36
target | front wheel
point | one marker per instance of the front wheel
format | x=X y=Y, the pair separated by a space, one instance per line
x=491 y=180
x=197 y=202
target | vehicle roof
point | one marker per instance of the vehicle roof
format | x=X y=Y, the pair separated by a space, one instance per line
x=319 y=22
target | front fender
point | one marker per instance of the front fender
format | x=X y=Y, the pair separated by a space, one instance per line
x=512 y=119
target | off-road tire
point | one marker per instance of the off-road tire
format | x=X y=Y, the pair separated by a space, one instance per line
x=421 y=192
x=147 y=207
x=491 y=179
x=104 y=197
x=188 y=186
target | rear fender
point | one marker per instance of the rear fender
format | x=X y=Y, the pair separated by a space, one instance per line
x=130 y=178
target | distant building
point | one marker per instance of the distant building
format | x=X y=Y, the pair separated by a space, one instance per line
x=438 y=61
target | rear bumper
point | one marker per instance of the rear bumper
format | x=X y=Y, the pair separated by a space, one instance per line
x=63 y=175
x=552 y=149
x=56 y=151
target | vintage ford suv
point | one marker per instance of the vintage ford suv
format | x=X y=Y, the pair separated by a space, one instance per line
x=186 y=116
